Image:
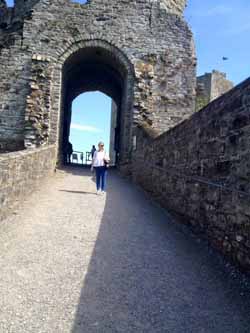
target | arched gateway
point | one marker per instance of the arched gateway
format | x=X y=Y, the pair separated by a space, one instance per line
x=97 y=65
x=140 y=54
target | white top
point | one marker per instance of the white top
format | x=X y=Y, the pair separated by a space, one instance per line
x=98 y=158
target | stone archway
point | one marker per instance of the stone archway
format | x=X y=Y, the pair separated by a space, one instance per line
x=86 y=65
x=98 y=65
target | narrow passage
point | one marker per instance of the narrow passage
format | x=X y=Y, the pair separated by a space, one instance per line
x=75 y=262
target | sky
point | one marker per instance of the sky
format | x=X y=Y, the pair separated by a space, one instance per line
x=90 y=123
x=221 y=28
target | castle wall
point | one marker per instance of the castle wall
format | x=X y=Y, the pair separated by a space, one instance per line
x=21 y=173
x=200 y=170
x=157 y=43
x=14 y=72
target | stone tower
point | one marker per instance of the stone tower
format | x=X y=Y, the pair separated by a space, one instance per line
x=140 y=53
x=211 y=86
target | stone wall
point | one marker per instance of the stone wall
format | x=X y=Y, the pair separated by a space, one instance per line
x=37 y=115
x=13 y=85
x=21 y=172
x=112 y=143
x=201 y=170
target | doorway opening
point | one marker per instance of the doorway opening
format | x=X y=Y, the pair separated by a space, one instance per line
x=101 y=69
x=93 y=119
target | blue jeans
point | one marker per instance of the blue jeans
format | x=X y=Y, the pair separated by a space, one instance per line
x=101 y=174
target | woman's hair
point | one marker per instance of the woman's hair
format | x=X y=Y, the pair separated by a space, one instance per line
x=100 y=143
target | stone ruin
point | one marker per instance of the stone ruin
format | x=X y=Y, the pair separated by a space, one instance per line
x=140 y=53
x=211 y=86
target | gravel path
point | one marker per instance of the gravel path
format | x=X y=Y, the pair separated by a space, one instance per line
x=75 y=262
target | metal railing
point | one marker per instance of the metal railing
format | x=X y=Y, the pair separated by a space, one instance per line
x=78 y=157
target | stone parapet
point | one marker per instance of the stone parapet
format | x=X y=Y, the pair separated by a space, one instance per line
x=21 y=172
x=200 y=170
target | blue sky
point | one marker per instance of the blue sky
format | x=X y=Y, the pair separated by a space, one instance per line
x=90 y=121
x=221 y=29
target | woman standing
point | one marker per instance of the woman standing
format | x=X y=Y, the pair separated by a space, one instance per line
x=100 y=163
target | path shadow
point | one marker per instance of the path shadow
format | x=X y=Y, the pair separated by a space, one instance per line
x=83 y=171
x=146 y=275
x=77 y=192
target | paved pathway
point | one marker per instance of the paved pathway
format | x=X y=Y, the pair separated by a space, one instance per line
x=75 y=262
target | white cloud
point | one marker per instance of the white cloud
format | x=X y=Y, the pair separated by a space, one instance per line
x=214 y=11
x=219 y=10
x=85 y=128
x=236 y=30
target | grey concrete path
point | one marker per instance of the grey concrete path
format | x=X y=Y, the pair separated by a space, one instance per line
x=75 y=262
